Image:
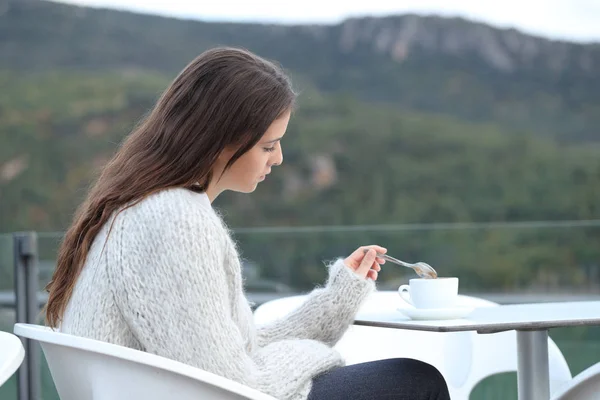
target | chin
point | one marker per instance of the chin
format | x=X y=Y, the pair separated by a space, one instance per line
x=248 y=189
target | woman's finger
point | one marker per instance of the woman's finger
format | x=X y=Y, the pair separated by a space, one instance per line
x=366 y=263
x=372 y=274
x=375 y=247
x=355 y=259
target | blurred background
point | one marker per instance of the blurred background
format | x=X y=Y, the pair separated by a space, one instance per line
x=463 y=134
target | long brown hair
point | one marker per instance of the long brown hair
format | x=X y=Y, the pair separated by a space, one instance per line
x=225 y=97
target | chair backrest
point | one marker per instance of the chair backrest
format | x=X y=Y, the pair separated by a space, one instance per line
x=86 y=369
x=463 y=358
x=11 y=355
x=585 y=386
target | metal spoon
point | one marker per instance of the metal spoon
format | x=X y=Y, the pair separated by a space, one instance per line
x=422 y=269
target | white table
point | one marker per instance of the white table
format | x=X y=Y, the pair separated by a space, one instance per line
x=531 y=321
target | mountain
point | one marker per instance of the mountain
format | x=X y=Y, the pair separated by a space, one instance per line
x=448 y=66
x=402 y=120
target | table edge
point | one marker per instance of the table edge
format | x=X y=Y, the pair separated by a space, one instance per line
x=480 y=328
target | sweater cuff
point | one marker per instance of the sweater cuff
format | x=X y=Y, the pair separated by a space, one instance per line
x=347 y=283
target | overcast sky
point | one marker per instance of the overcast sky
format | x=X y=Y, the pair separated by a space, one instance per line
x=575 y=20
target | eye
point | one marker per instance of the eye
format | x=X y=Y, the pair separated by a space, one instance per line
x=269 y=149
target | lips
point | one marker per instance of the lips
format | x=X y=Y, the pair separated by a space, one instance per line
x=263 y=177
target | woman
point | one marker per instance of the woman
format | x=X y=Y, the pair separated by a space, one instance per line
x=148 y=264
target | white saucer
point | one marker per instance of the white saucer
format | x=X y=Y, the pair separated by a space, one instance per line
x=433 y=314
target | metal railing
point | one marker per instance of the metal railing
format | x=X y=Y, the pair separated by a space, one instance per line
x=30 y=273
x=27 y=309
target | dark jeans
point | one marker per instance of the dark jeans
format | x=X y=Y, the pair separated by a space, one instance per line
x=395 y=378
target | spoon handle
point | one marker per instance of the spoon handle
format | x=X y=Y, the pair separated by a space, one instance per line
x=394 y=260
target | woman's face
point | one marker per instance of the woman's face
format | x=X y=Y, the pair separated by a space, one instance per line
x=254 y=166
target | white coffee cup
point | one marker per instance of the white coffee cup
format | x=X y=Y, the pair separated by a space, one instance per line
x=430 y=293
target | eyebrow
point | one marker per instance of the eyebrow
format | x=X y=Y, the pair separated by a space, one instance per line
x=273 y=141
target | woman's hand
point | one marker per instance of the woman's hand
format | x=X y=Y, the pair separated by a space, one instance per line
x=364 y=261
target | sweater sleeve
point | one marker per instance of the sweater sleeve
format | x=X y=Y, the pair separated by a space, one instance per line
x=326 y=314
x=170 y=283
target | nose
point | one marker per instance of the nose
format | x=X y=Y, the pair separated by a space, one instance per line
x=277 y=157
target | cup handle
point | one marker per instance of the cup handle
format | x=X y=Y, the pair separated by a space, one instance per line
x=404 y=292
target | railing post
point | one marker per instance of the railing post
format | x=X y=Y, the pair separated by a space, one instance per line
x=27 y=308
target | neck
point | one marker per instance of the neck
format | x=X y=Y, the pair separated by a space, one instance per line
x=213 y=192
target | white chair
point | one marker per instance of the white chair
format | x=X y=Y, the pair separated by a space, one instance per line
x=86 y=369
x=463 y=358
x=11 y=355
x=585 y=386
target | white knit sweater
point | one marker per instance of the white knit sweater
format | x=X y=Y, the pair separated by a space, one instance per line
x=169 y=282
